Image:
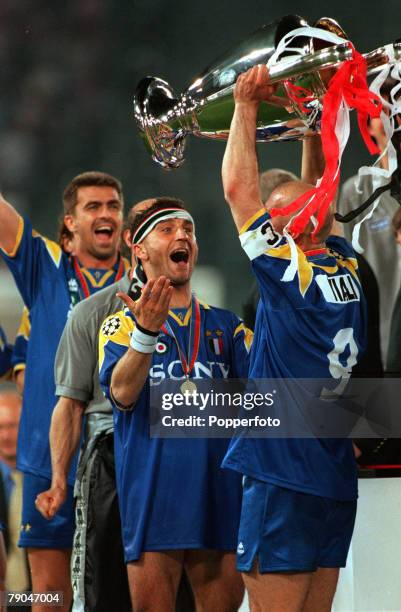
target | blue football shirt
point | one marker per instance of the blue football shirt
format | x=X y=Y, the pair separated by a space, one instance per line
x=6 y=350
x=18 y=359
x=46 y=279
x=172 y=492
x=312 y=326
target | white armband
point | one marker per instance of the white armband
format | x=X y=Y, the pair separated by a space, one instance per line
x=259 y=240
x=143 y=343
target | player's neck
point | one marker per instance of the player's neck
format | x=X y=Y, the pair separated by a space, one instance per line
x=306 y=244
x=181 y=297
x=90 y=261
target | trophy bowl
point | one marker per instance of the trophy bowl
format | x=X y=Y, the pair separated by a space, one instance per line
x=206 y=107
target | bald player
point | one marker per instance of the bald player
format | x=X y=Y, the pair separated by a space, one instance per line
x=299 y=498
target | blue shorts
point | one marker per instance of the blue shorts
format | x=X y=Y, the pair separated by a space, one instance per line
x=288 y=531
x=38 y=532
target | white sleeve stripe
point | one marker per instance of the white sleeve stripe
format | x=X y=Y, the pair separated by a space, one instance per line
x=257 y=241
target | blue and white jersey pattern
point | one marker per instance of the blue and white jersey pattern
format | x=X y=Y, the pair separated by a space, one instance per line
x=45 y=278
x=312 y=326
x=173 y=493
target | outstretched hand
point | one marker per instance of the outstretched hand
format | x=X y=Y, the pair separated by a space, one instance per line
x=152 y=308
x=254 y=86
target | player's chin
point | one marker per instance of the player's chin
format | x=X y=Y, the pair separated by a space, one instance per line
x=104 y=251
x=181 y=278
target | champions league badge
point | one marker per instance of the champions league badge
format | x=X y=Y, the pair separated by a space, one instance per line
x=161 y=348
x=111 y=326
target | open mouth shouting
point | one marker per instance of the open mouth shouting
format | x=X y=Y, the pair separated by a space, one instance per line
x=104 y=232
x=180 y=255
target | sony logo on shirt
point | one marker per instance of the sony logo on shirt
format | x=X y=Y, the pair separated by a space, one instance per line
x=173 y=371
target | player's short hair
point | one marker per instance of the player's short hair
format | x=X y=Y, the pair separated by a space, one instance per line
x=63 y=233
x=270 y=179
x=135 y=219
x=396 y=222
x=88 y=179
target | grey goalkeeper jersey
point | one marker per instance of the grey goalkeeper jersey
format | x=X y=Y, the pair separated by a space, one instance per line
x=76 y=368
x=379 y=246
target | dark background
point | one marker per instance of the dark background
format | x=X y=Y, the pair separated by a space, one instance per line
x=68 y=71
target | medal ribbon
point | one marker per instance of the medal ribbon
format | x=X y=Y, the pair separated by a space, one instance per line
x=195 y=328
x=82 y=280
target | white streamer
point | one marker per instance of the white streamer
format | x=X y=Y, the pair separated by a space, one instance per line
x=307 y=31
x=380 y=176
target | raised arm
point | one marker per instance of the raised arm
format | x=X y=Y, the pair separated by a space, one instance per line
x=131 y=371
x=240 y=170
x=65 y=435
x=9 y=223
x=313 y=164
x=312 y=159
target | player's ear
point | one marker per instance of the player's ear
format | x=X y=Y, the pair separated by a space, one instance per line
x=140 y=252
x=69 y=221
x=127 y=238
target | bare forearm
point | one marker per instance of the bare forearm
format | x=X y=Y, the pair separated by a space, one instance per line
x=9 y=220
x=312 y=159
x=240 y=171
x=65 y=435
x=129 y=376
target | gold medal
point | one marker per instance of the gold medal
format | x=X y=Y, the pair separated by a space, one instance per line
x=188 y=386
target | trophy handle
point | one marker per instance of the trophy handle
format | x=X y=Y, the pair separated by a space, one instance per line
x=161 y=129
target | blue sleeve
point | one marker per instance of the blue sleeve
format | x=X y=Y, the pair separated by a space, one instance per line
x=242 y=341
x=114 y=341
x=18 y=359
x=6 y=350
x=270 y=255
x=33 y=255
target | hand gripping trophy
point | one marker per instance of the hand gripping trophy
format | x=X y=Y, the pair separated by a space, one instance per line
x=302 y=61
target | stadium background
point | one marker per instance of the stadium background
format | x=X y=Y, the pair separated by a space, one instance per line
x=68 y=72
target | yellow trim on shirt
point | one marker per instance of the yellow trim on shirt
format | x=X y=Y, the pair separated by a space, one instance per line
x=248 y=335
x=351 y=265
x=24 y=329
x=185 y=321
x=52 y=247
x=18 y=238
x=92 y=279
x=254 y=217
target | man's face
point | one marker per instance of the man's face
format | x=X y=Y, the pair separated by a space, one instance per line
x=96 y=221
x=398 y=236
x=169 y=250
x=10 y=410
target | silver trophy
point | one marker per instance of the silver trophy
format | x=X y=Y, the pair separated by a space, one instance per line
x=206 y=108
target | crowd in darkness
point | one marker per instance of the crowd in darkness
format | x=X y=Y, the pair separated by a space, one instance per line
x=63 y=91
